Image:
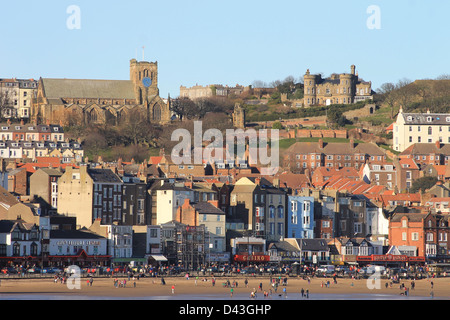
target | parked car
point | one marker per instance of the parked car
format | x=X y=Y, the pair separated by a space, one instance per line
x=326 y=269
x=34 y=270
x=248 y=271
x=51 y=270
x=342 y=270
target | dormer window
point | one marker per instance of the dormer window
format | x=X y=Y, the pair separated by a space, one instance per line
x=56 y=129
x=5 y=128
x=429 y=119
x=18 y=127
x=409 y=118
x=447 y=119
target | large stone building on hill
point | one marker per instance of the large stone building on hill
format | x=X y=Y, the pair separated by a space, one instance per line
x=345 y=88
x=77 y=101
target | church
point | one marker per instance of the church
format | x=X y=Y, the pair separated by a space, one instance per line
x=84 y=102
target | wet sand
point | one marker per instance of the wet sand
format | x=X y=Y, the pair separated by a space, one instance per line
x=152 y=287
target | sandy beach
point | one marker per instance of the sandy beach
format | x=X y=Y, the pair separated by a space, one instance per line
x=152 y=287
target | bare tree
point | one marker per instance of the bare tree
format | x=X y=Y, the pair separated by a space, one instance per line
x=387 y=90
x=182 y=106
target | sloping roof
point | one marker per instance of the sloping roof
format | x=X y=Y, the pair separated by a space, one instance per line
x=312 y=244
x=335 y=148
x=283 y=246
x=104 y=175
x=422 y=118
x=207 y=208
x=78 y=88
x=73 y=234
x=7 y=199
x=293 y=180
x=413 y=217
x=426 y=149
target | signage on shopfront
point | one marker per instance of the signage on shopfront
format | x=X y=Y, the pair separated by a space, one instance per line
x=251 y=258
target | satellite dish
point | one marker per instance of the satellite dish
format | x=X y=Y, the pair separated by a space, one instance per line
x=147 y=82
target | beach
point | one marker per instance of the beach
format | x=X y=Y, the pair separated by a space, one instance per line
x=152 y=288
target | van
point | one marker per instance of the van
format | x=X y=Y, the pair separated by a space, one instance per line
x=375 y=269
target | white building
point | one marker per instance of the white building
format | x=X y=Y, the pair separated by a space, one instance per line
x=72 y=242
x=19 y=239
x=411 y=128
x=169 y=197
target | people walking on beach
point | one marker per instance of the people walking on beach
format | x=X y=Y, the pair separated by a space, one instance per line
x=173 y=289
x=307 y=293
x=246 y=282
x=231 y=292
x=302 y=292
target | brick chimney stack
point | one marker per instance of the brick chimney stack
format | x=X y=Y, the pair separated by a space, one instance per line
x=438 y=144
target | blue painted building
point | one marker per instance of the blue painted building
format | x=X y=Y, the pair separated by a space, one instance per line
x=300 y=220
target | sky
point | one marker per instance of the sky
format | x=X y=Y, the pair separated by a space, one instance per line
x=225 y=42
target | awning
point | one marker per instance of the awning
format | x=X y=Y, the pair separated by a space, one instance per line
x=158 y=257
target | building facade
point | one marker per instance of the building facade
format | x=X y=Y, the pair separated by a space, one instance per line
x=337 y=89
x=300 y=222
x=73 y=101
x=412 y=128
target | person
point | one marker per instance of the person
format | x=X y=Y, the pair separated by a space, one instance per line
x=307 y=293
x=213 y=282
x=302 y=292
x=260 y=286
x=231 y=292
x=246 y=282
x=91 y=281
x=173 y=289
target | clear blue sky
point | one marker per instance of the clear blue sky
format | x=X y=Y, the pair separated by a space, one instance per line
x=225 y=42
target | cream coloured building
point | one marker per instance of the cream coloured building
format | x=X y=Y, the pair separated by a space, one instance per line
x=411 y=128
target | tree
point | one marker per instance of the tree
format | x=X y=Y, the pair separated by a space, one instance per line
x=182 y=106
x=277 y=125
x=336 y=117
x=423 y=184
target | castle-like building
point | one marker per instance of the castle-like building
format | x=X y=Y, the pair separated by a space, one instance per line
x=345 y=88
x=76 y=101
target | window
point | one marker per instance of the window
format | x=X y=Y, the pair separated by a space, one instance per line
x=306 y=206
x=404 y=237
x=280 y=212
x=294 y=206
x=404 y=223
x=430 y=130
x=294 y=218
x=430 y=236
x=414 y=236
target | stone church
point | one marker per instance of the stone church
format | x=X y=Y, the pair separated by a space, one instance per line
x=76 y=101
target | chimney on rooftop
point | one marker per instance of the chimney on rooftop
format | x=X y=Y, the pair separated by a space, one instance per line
x=352 y=143
x=321 y=143
x=438 y=144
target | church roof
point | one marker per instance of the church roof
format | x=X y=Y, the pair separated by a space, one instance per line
x=79 y=88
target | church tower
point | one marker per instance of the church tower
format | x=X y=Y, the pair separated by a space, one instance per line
x=144 y=76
